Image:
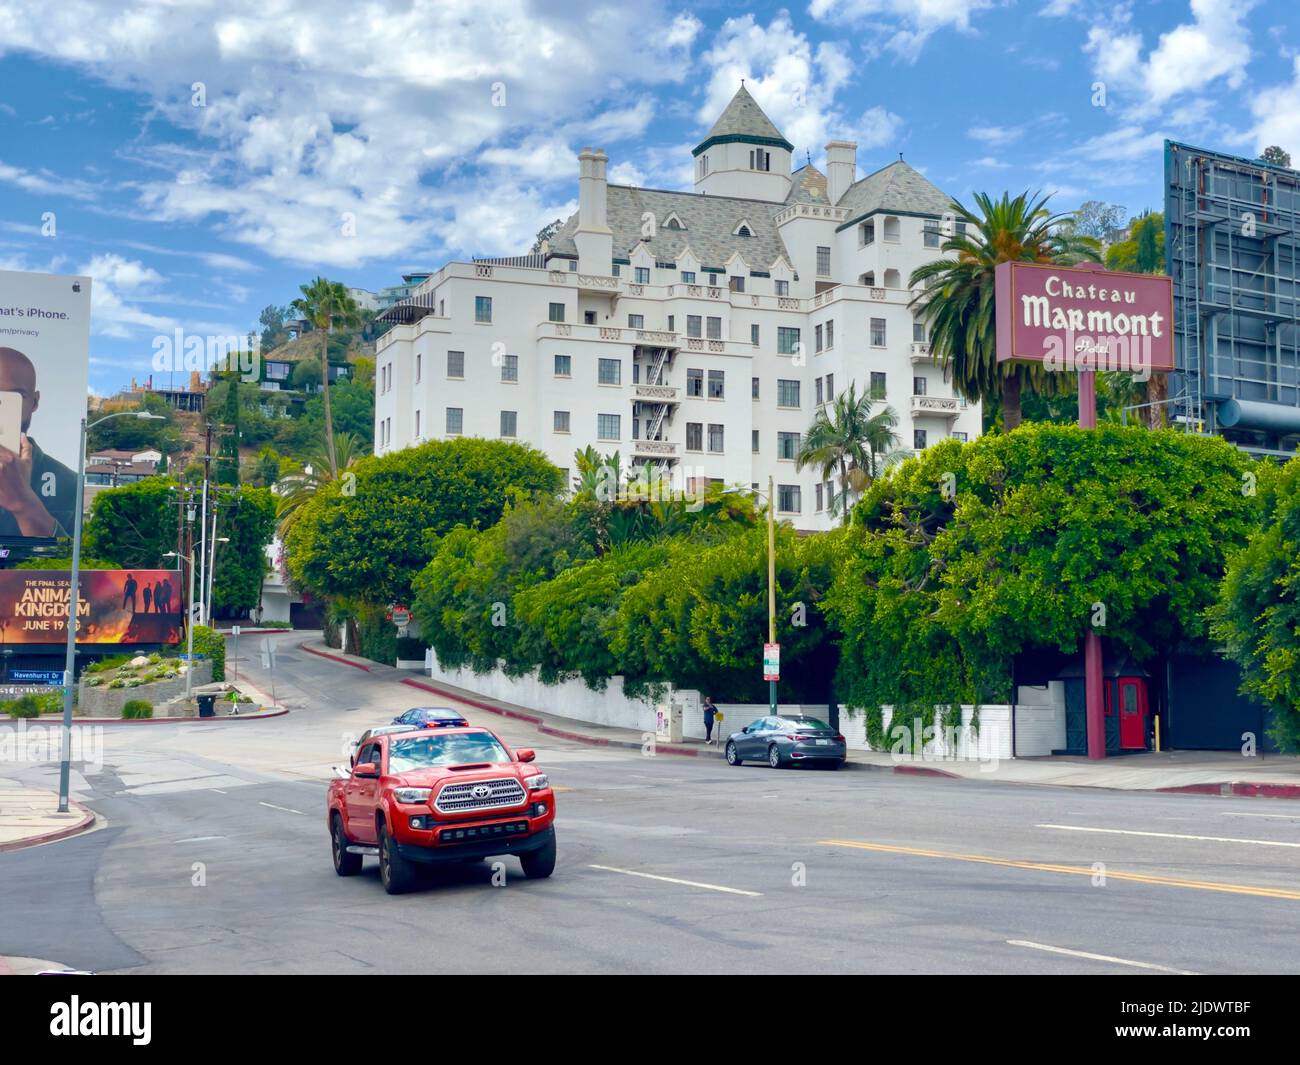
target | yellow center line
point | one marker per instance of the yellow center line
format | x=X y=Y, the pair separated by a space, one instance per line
x=1072 y=870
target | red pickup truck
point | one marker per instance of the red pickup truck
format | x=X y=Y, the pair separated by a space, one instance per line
x=445 y=795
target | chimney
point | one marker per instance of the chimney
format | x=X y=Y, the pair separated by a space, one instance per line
x=594 y=240
x=841 y=168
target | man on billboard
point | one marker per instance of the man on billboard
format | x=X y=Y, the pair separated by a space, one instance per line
x=37 y=493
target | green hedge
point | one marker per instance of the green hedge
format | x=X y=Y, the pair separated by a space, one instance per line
x=33 y=704
x=212 y=644
x=137 y=708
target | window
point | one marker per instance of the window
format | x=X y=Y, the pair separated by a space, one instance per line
x=753 y=441
x=918 y=332
x=695 y=382
x=482 y=308
x=877 y=332
x=821 y=491
x=588 y=317
x=636 y=428
x=788 y=499
x=787 y=393
x=419 y=370
x=673 y=222
x=564 y=366
x=918 y=386
x=573 y=266
x=455 y=364
x=783 y=288
x=817 y=338
x=823 y=262
x=931 y=234
x=713 y=280
x=717 y=384
x=694 y=325
x=753 y=334
x=694 y=436
x=417 y=437
x=830 y=388
x=819 y=392
x=759 y=159
x=753 y=387
x=607 y=427
x=830 y=334
x=557 y=312
x=891 y=230
x=636 y=373
x=510 y=368
x=787 y=445
x=867 y=233
x=642 y=275
x=960 y=436
x=688 y=277
x=714 y=328
x=610 y=372
x=918 y=439
x=672 y=323
x=509 y=423
x=636 y=321
x=560 y=421
x=787 y=340
x=616 y=269
x=877 y=386
x=715 y=439
x=737 y=284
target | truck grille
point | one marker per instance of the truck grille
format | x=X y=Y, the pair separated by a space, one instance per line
x=461 y=798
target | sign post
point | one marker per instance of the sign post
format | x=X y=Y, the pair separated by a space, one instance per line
x=1083 y=319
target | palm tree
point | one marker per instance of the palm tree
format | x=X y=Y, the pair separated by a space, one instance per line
x=326 y=304
x=957 y=297
x=846 y=437
x=294 y=489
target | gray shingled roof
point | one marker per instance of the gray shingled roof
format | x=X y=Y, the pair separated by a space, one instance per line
x=896 y=187
x=744 y=118
x=709 y=222
x=808 y=185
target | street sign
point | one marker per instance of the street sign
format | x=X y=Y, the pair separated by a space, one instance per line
x=268 y=654
x=234 y=630
x=771 y=661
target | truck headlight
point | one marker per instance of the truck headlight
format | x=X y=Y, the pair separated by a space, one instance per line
x=412 y=795
x=538 y=782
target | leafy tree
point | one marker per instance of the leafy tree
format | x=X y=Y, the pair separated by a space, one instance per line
x=367 y=538
x=846 y=438
x=135 y=434
x=1275 y=155
x=326 y=304
x=266 y=468
x=962 y=558
x=1098 y=220
x=545 y=234
x=227 y=471
x=135 y=524
x=241 y=564
x=306 y=375
x=1257 y=616
x=298 y=486
x=272 y=321
x=957 y=299
x=353 y=407
x=1143 y=251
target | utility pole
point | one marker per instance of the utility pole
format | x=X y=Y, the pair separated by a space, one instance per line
x=771 y=582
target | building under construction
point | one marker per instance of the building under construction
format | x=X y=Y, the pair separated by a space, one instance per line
x=1231 y=232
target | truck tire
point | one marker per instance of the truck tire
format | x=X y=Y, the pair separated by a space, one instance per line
x=345 y=864
x=540 y=863
x=394 y=871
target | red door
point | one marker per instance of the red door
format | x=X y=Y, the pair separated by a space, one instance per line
x=1132 y=714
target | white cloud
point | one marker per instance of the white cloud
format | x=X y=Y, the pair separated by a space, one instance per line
x=988 y=162
x=116 y=283
x=994 y=136
x=909 y=22
x=1277 y=115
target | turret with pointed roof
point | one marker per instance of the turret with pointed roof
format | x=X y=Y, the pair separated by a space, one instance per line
x=744 y=154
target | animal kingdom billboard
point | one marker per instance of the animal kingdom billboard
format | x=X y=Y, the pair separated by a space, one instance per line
x=117 y=606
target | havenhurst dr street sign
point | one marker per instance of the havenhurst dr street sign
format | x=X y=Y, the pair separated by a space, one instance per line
x=1083 y=318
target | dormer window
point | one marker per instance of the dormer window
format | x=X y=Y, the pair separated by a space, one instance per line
x=743 y=229
x=673 y=222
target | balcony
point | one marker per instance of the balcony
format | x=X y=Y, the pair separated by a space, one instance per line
x=654 y=449
x=921 y=354
x=657 y=393
x=935 y=406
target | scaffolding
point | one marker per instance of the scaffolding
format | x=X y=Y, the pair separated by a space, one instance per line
x=1232 y=227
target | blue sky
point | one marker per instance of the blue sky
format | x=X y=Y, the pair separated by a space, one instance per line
x=202 y=159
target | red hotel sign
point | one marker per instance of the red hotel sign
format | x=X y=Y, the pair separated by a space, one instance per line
x=1073 y=318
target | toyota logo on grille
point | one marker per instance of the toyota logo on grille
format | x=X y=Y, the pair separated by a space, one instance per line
x=481 y=791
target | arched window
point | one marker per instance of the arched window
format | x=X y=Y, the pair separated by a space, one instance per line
x=892 y=229
x=892 y=279
x=868 y=279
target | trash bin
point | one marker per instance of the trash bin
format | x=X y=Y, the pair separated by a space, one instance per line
x=207 y=704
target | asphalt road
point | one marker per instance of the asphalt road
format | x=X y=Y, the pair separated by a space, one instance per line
x=215 y=858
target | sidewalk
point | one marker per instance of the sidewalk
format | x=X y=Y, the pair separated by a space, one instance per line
x=1192 y=772
x=29 y=816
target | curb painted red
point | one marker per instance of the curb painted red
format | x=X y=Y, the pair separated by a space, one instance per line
x=926 y=771
x=173 y=720
x=1243 y=788
x=87 y=819
x=549 y=730
x=332 y=658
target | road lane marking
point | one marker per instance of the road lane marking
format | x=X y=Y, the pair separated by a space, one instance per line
x=194 y=839
x=674 y=880
x=1071 y=870
x=272 y=806
x=1100 y=957
x=1172 y=835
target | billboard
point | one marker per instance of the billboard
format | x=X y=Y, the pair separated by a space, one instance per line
x=117 y=606
x=44 y=369
x=1072 y=318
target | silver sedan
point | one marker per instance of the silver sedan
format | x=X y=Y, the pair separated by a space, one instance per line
x=787 y=740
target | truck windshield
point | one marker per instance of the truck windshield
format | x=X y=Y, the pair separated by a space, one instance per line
x=457 y=748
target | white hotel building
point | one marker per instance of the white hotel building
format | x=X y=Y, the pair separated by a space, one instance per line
x=697 y=331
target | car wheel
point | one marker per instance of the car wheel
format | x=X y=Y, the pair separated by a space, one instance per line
x=774 y=757
x=540 y=863
x=733 y=755
x=345 y=864
x=394 y=870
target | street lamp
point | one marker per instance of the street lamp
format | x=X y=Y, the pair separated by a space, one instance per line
x=74 y=598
